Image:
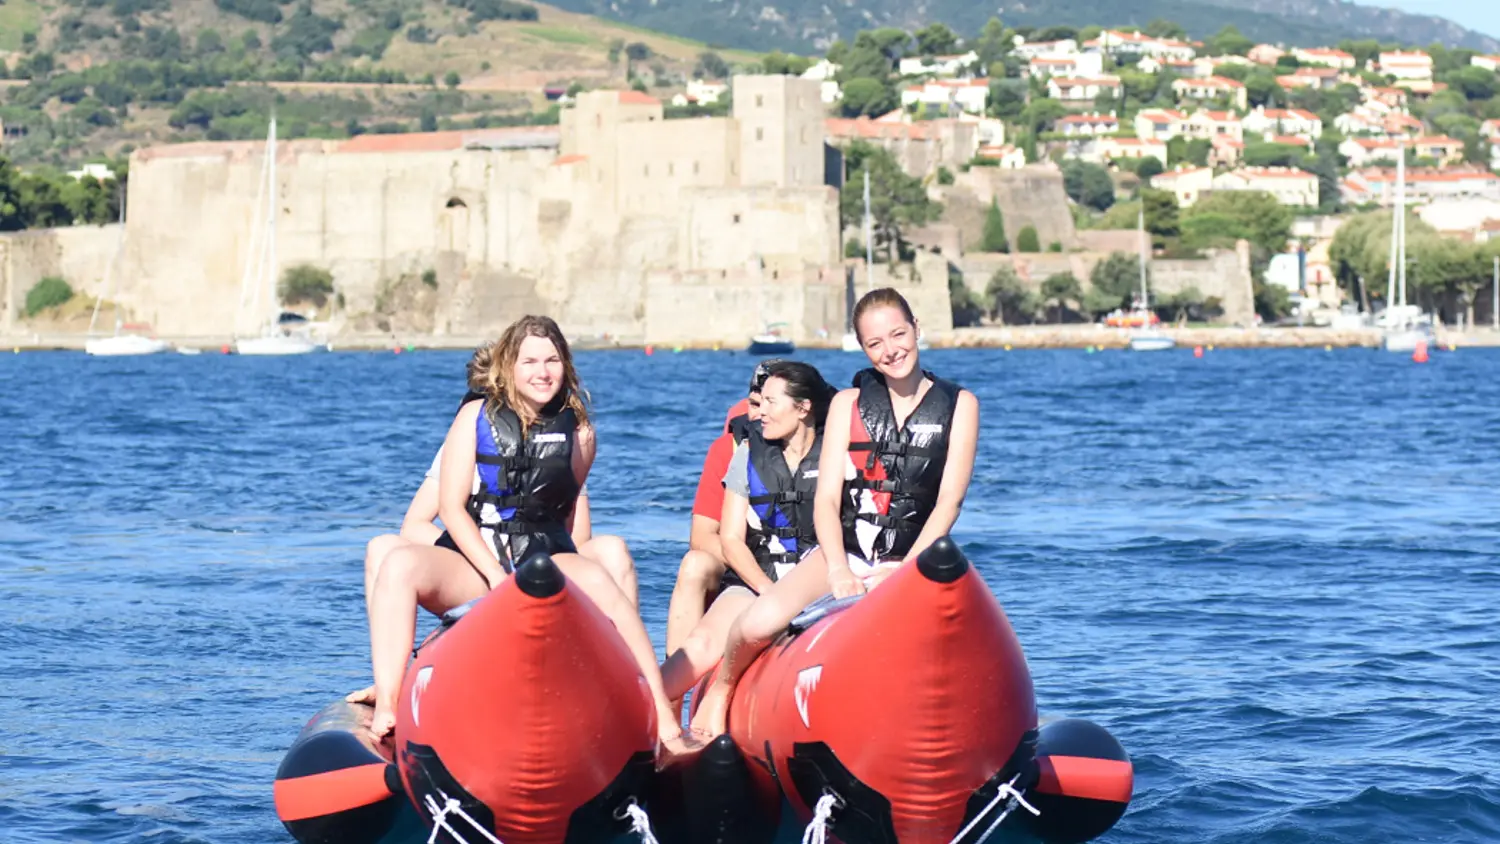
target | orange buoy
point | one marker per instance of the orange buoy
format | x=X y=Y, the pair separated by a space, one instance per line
x=1420 y=354
x=650 y=350
x=224 y=348
x=1197 y=351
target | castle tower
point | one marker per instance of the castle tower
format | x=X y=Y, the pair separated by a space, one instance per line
x=781 y=130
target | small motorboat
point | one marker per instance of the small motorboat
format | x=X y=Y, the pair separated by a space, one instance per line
x=772 y=341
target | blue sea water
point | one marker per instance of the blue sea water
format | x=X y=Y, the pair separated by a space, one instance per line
x=1272 y=575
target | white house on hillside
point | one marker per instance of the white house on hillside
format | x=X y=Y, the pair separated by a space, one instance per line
x=1111 y=148
x=1092 y=123
x=1160 y=124
x=1284 y=121
x=1079 y=65
x=1032 y=49
x=1325 y=56
x=1289 y=185
x=1186 y=183
x=1082 y=90
x=1415 y=65
x=1135 y=43
x=945 y=67
x=1214 y=124
x=1211 y=88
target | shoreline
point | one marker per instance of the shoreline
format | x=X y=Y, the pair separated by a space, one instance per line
x=983 y=337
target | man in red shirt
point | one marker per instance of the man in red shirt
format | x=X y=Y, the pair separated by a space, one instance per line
x=703 y=565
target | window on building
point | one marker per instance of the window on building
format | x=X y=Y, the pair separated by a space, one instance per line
x=759 y=100
x=760 y=134
x=736 y=219
x=802 y=135
x=646 y=170
x=695 y=168
x=671 y=169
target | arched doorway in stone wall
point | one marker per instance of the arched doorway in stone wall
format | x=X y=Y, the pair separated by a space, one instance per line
x=453 y=227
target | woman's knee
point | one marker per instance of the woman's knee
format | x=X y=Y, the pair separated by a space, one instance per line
x=398 y=569
x=700 y=569
x=377 y=549
x=612 y=553
x=763 y=619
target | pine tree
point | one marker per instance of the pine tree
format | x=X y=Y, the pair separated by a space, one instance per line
x=994 y=231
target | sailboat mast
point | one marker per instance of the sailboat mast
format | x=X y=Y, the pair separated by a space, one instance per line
x=109 y=273
x=1401 y=223
x=1141 y=250
x=271 y=271
x=869 y=234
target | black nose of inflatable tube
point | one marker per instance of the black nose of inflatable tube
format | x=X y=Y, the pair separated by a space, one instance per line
x=539 y=577
x=942 y=562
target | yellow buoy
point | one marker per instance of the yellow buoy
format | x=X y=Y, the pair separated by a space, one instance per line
x=1328 y=347
x=1007 y=347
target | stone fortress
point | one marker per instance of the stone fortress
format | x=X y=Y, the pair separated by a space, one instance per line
x=618 y=223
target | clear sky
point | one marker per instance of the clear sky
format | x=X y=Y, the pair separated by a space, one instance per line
x=1480 y=15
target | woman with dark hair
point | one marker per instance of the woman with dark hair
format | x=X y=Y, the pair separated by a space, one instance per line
x=702 y=572
x=896 y=461
x=510 y=487
x=766 y=525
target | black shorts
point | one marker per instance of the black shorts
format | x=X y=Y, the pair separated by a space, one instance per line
x=446 y=541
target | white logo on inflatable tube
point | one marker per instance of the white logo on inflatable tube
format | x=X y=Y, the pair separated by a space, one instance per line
x=417 y=688
x=807 y=681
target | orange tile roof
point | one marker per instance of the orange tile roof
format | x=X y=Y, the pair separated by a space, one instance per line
x=437 y=141
x=568 y=159
x=865 y=128
x=1276 y=173
x=637 y=98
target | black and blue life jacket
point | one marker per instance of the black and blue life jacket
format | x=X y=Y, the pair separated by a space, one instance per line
x=525 y=487
x=782 y=530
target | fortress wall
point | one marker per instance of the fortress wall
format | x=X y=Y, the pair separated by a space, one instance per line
x=784 y=228
x=80 y=255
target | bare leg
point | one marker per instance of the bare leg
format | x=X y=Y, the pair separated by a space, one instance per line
x=375 y=553
x=698 y=574
x=435 y=578
x=612 y=553
x=753 y=631
x=596 y=583
x=705 y=645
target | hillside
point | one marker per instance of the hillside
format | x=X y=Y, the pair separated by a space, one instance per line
x=804 y=25
x=92 y=78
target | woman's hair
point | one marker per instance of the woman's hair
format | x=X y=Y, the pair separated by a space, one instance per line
x=805 y=383
x=498 y=386
x=475 y=371
x=762 y=371
x=884 y=297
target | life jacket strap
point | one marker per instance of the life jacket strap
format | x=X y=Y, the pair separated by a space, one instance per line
x=794 y=497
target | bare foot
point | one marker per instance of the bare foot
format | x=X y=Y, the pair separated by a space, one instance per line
x=365 y=695
x=383 y=722
x=711 y=719
x=671 y=749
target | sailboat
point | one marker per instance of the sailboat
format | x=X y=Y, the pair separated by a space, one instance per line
x=851 y=340
x=119 y=344
x=274 y=339
x=1147 y=338
x=1404 y=327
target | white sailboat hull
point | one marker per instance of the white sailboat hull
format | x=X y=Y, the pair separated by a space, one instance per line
x=851 y=343
x=266 y=346
x=1152 y=343
x=1406 y=341
x=122 y=345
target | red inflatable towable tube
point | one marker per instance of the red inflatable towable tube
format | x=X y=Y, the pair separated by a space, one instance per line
x=527 y=718
x=910 y=712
